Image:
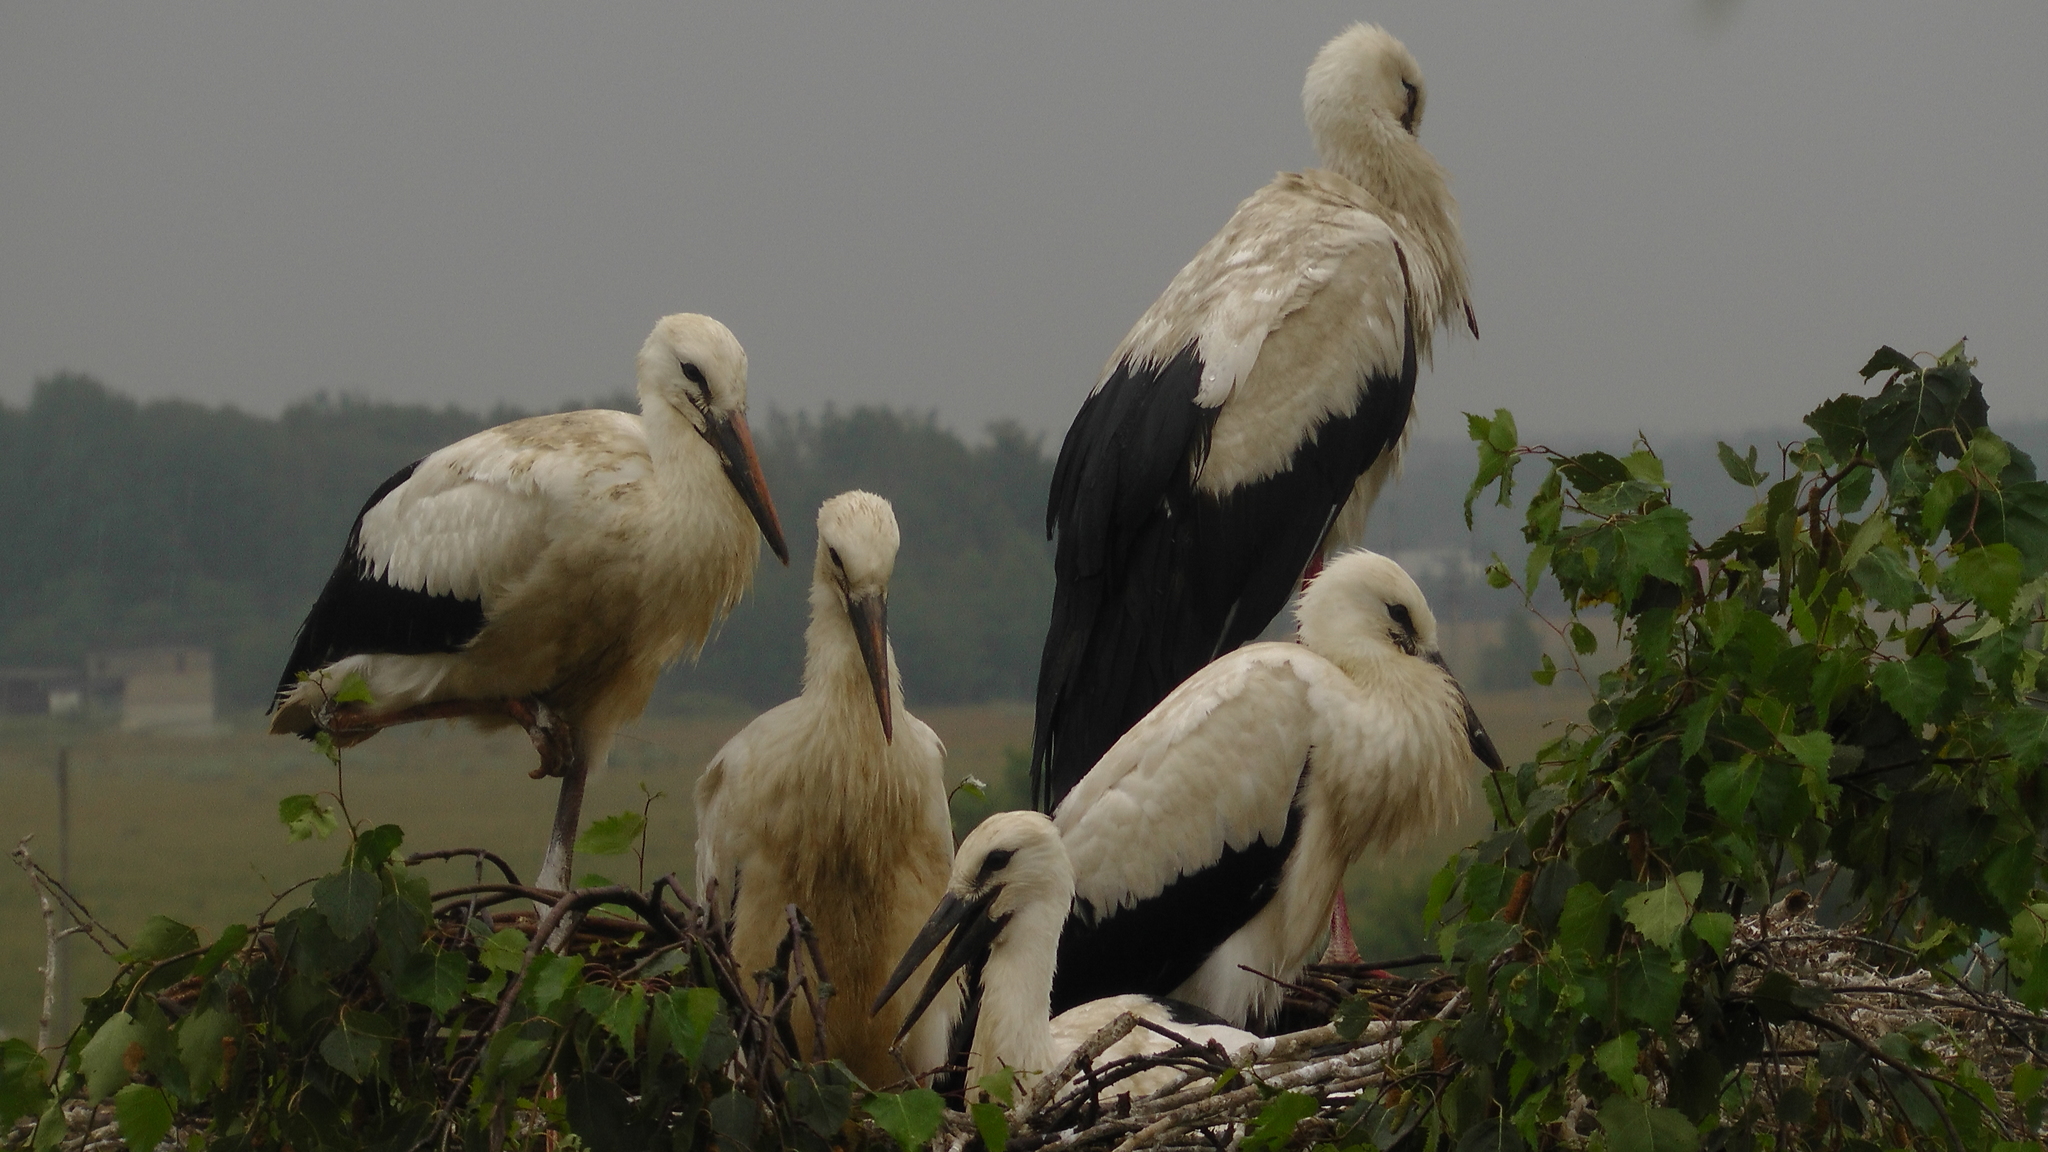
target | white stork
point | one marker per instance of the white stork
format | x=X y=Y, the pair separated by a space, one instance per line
x=1217 y=831
x=1011 y=890
x=542 y=572
x=836 y=801
x=1245 y=425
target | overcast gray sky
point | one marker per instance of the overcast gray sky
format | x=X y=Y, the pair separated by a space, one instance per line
x=1683 y=215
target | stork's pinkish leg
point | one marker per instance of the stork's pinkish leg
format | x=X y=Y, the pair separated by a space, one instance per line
x=1343 y=949
x=561 y=755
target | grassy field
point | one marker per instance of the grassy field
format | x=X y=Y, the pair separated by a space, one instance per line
x=187 y=825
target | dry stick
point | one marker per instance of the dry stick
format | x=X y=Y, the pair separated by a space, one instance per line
x=1043 y=1092
x=481 y=854
x=50 y=938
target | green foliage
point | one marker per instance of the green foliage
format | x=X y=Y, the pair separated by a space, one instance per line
x=911 y=1118
x=379 y=1014
x=612 y=835
x=1837 y=684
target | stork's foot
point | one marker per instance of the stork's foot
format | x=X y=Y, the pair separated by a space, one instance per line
x=1343 y=949
x=550 y=735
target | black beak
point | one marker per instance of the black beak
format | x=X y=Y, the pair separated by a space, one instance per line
x=870 y=616
x=973 y=932
x=734 y=444
x=1482 y=744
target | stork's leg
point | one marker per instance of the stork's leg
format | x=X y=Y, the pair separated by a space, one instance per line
x=1343 y=949
x=561 y=754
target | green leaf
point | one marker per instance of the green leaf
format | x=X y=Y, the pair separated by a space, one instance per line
x=1583 y=640
x=1545 y=674
x=306 y=817
x=1352 y=1017
x=1884 y=577
x=1742 y=470
x=354 y=690
x=550 y=979
x=232 y=940
x=1913 y=687
x=1000 y=1086
x=622 y=1018
x=993 y=1123
x=1617 y=1058
x=160 y=939
x=353 y=1046
x=612 y=836
x=1715 y=929
x=24 y=1090
x=1655 y=544
x=1633 y=1126
x=1888 y=359
x=821 y=1097
x=1840 y=424
x=112 y=1056
x=1275 y=1124
x=348 y=899
x=682 y=1021
x=504 y=950
x=912 y=1117
x=1989 y=575
x=199 y=1047
x=1582 y=927
x=1659 y=913
x=144 y=1114
x=436 y=979
x=374 y=847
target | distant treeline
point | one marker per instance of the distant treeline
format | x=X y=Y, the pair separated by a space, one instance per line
x=130 y=524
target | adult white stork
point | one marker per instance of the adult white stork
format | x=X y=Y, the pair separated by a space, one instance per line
x=836 y=802
x=1245 y=425
x=1217 y=831
x=1011 y=890
x=542 y=572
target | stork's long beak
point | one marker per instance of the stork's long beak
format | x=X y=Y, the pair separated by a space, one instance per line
x=1482 y=744
x=735 y=445
x=973 y=932
x=870 y=616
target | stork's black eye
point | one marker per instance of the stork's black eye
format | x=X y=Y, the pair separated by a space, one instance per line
x=994 y=862
x=834 y=554
x=695 y=375
x=1408 y=115
x=1399 y=614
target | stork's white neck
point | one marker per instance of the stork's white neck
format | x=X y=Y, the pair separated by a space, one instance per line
x=1015 y=1025
x=833 y=669
x=1403 y=177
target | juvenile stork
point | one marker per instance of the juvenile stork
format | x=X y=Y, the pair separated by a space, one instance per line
x=1245 y=425
x=1011 y=891
x=836 y=802
x=542 y=572
x=1217 y=832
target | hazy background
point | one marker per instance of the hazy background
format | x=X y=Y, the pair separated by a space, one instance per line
x=1683 y=216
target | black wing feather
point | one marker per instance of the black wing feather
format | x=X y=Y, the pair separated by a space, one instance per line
x=358 y=613
x=1156 y=944
x=1152 y=579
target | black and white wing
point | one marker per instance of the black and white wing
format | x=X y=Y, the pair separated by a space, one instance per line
x=1203 y=474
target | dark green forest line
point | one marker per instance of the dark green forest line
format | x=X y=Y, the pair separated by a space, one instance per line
x=131 y=524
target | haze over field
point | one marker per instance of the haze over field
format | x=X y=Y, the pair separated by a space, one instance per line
x=1684 y=216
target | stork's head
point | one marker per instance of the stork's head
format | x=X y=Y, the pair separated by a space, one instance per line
x=1364 y=609
x=1012 y=868
x=695 y=366
x=857 y=540
x=1361 y=83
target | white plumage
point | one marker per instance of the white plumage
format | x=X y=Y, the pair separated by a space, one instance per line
x=544 y=571
x=836 y=802
x=1217 y=831
x=1246 y=423
x=1011 y=890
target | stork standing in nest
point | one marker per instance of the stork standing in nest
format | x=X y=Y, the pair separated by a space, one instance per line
x=1245 y=425
x=836 y=802
x=542 y=573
